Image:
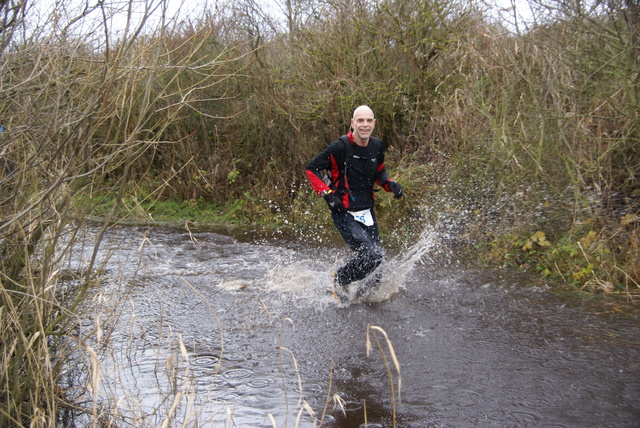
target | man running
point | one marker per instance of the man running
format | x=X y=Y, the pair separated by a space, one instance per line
x=354 y=163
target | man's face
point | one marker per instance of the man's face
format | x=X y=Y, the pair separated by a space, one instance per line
x=363 y=123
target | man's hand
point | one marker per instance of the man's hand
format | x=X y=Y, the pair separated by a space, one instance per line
x=396 y=188
x=334 y=202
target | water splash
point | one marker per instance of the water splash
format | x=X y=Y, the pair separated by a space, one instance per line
x=303 y=276
x=394 y=271
x=311 y=279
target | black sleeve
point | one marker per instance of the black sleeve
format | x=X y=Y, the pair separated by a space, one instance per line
x=328 y=159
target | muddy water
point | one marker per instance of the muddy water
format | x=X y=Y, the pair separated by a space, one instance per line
x=229 y=328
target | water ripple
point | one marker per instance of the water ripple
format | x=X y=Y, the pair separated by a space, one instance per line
x=261 y=382
x=209 y=361
x=234 y=374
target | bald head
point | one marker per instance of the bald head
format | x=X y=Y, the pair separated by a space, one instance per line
x=362 y=110
x=362 y=123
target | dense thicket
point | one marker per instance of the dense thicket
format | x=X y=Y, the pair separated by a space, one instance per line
x=82 y=109
x=525 y=144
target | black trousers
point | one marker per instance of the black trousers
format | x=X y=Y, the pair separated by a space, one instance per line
x=364 y=241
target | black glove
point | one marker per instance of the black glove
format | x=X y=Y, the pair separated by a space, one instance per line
x=396 y=188
x=334 y=202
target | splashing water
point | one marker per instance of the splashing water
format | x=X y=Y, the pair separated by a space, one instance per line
x=394 y=271
x=311 y=279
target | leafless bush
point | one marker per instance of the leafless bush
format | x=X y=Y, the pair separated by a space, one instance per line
x=79 y=114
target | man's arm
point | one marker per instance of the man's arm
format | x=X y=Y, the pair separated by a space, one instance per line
x=325 y=160
x=381 y=177
x=385 y=182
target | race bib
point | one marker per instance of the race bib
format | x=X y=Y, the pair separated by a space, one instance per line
x=363 y=217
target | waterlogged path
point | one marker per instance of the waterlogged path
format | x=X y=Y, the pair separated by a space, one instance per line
x=226 y=328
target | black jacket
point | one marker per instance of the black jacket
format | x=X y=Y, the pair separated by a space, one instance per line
x=364 y=166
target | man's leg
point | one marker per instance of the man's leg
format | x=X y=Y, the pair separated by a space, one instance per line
x=364 y=241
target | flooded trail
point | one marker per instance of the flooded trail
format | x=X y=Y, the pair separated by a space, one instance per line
x=225 y=328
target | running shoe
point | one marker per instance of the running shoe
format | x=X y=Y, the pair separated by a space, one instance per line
x=340 y=292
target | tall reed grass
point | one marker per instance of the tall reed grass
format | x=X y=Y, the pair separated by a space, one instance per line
x=79 y=110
